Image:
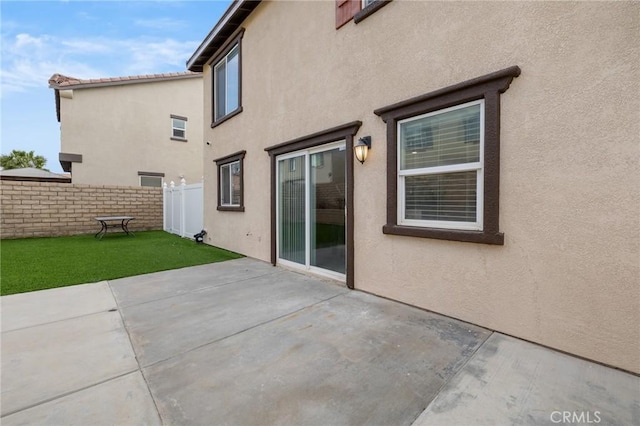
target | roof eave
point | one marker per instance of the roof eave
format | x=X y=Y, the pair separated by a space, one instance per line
x=230 y=21
x=85 y=84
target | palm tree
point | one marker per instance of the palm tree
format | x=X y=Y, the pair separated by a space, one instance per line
x=21 y=159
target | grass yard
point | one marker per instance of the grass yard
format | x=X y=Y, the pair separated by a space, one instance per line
x=39 y=263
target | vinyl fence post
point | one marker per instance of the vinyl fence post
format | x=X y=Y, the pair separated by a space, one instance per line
x=164 y=206
x=183 y=226
x=172 y=188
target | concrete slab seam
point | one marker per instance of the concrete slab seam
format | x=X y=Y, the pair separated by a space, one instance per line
x=56 y=321
x=144 y=377
x=502 y=333
x=198 y=290
x=241 y=331
x=445 y=383
x=65 y=394
x=560 y=351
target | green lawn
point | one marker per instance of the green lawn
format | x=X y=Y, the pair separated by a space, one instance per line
x=39 y=263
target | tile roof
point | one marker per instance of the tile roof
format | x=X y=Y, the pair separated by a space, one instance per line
x=60 y=81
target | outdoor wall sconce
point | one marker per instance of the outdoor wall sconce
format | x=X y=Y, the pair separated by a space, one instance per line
x=361 y=148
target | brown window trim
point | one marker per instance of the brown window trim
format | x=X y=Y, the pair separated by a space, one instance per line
x=226 y=117
x=370 y=10
x=347 y=132
x=178 y=117
x=235 y=39
x=238 y=156
x=488 y=87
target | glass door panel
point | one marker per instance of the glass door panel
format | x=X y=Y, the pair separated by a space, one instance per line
x=292 y=209
x=327 y=210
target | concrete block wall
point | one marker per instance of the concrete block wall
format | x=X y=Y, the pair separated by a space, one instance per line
x=46 y=209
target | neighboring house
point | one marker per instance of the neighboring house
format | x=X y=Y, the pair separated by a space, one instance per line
x=130 y=131
x=34 y=175
x=502 y=183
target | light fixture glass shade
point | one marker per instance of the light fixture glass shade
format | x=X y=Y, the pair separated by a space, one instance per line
x=361 y=148
x=361 y=152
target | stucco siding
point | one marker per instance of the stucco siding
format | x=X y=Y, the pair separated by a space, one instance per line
x=121 y=130
x=568 y=273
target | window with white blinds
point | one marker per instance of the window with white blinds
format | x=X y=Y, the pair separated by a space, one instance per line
x=440 y=168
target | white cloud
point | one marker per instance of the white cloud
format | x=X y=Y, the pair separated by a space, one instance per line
x=153 y=55
x=85 y=47
x=160 y=23
x=28 y=61
x=25 y=41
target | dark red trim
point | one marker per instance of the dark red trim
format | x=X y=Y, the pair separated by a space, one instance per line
x=346 y=10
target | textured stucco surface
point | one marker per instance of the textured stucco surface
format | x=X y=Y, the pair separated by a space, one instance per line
x=125 y=129
x=568 y=274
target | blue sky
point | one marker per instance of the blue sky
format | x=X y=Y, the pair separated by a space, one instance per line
x=86 y=39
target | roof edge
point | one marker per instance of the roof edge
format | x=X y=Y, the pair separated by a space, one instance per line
x=230 y=21
x=74 y=83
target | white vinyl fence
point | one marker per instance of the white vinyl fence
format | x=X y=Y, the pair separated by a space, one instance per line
x=183 y=208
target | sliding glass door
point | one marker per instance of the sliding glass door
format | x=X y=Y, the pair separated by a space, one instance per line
x=311 y=209
x=292 y=208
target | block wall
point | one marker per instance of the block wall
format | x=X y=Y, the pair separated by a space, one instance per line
x=45 y=209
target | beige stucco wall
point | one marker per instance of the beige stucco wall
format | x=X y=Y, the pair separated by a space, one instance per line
x=568 y=273
x=121 y=130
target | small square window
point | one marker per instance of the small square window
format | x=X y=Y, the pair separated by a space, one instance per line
x=178 y=127
x=153 y=181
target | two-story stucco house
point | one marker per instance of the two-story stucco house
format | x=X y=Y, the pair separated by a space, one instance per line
x=501 y=184
x=131 y=131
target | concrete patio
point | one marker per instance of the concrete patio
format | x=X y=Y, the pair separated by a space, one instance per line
x=244 y=343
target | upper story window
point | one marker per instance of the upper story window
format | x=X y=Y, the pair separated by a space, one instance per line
x=231 y=182
x=178 y=128
x=227 y=85
x=443 y=161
